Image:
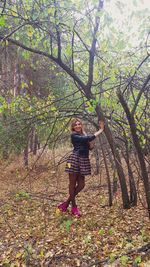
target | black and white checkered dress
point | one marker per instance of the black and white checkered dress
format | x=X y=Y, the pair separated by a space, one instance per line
x=78 y=164
x=78 y=161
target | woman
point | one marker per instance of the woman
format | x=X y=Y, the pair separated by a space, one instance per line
x=78 y=164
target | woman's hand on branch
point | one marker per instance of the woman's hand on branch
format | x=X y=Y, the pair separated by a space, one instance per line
x=102 y=124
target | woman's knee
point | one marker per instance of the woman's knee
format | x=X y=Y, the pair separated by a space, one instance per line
x=72 y=179
x=82 y=182
x=83 y=185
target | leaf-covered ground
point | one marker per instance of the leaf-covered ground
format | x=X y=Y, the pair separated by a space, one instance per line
x=34 y=233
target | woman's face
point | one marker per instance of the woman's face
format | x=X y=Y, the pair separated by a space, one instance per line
x=78 y=127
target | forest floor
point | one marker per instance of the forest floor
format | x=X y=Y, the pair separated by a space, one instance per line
x=34 y=233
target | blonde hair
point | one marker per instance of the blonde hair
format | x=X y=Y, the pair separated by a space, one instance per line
x=74 y=121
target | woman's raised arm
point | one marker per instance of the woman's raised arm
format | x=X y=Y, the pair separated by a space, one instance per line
x=102 y=125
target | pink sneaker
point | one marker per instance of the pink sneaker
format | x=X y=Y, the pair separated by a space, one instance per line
x=75 y=211
x=63 y=207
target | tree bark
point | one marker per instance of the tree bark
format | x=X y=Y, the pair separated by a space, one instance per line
x=136 y=142
x=107 y=174
x=35 y=144
x=26 y=155
x=31 y=140
x=125 y=197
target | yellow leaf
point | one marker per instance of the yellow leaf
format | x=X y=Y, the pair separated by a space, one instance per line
x=8 y=252
x=14 y=12
x=50 y=10
x=69 y=165
x=9 y=212
x=57 y=211
x=18 y=255
x=41 y=253
x=79 y=231
x=6 y=42
x=89 y=104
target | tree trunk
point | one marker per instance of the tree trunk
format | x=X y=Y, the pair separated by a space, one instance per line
x=115 y=180
x=31 y=140
x=26 y=155
x=107 y=173
x=97 y=159
x=136 y=142
x=133 y=192
x=35 y=144
x=19 y=81
x=125 y=197
x=14 y=77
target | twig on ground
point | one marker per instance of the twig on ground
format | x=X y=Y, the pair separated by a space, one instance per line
x=145 y=249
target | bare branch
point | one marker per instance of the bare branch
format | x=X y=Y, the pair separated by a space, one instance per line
x=140 y=93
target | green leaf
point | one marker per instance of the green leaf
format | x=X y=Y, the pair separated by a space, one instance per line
x=138 y=260
x=91 y=109
x=68 y=222
x=27 y=195
x=7 y=262
x=101 y=232
x=86 y=239
x=111 y=230
x=67 y=227
x=124 y=259
x=26 y=55
x=112 y=256
x=35 y=16
x=90 y=251
x=2 y=21
x=30 y=251
x=103 y=200
x=16 y=20
x=25 y=255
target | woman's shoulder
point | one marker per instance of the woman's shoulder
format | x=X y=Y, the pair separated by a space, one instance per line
x=77 y=134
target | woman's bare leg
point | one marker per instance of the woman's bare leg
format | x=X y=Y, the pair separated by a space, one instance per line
x=73 y=189
x=80 y=183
